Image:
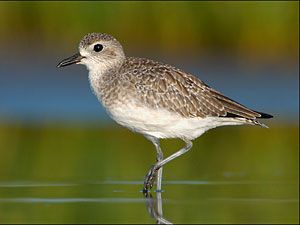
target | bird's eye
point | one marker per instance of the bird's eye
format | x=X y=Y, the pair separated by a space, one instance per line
x=98 y=47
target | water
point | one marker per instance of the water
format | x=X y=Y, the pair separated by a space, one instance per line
x=122 y=202
x=81 y=174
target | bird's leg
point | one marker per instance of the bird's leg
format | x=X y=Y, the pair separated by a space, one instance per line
x=148 y=183
x=159 y=158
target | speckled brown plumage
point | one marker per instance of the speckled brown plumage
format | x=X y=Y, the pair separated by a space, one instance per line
x=159 y=85
x=93 y=37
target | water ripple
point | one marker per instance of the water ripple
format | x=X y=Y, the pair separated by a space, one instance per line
x=71 y=200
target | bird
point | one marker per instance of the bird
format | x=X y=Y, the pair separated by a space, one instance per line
x=155 y=99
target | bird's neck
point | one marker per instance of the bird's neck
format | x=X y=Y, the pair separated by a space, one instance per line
x=102 y=76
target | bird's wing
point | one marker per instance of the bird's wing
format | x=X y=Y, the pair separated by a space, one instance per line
x=162 y=86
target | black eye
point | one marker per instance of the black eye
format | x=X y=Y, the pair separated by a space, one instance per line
x=98 y=47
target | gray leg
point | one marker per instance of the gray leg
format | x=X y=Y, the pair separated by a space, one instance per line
x=159 y=158
x=148 y=183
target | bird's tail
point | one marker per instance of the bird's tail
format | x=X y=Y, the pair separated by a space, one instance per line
x=256 y=122
x=264 y=115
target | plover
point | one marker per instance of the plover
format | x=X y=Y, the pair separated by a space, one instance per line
x=155 y=99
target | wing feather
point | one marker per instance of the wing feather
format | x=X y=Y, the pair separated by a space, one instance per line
x=163 y=86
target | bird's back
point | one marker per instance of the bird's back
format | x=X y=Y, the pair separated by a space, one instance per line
x=160 y=86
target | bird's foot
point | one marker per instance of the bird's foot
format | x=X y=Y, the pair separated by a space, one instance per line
x=149 y=179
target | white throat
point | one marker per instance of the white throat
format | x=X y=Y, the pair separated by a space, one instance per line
x=97 y=67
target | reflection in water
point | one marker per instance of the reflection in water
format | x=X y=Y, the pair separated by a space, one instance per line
x=115 y=202
x=154 y=207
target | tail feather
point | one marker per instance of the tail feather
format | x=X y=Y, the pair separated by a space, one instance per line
x=236 y=110
x=255 y=122
x=233 y=107
x=251 y=122
x=264 y=115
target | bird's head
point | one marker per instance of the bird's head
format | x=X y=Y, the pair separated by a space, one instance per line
x=98 y=51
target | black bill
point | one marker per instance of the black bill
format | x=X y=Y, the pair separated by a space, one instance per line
x=71 y=60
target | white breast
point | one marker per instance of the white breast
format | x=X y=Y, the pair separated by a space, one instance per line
x=161 y=123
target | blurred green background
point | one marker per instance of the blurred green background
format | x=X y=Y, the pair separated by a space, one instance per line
x=64 y=160
x=266 y=30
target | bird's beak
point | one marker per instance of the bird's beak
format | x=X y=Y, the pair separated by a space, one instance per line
x=71 y=60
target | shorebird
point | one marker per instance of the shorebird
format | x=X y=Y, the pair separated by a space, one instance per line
x=155 y=99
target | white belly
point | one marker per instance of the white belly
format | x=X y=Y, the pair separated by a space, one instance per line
x=164 y=124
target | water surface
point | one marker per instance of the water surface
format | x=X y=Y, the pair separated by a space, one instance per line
x=122 y=202
x=79 y=174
